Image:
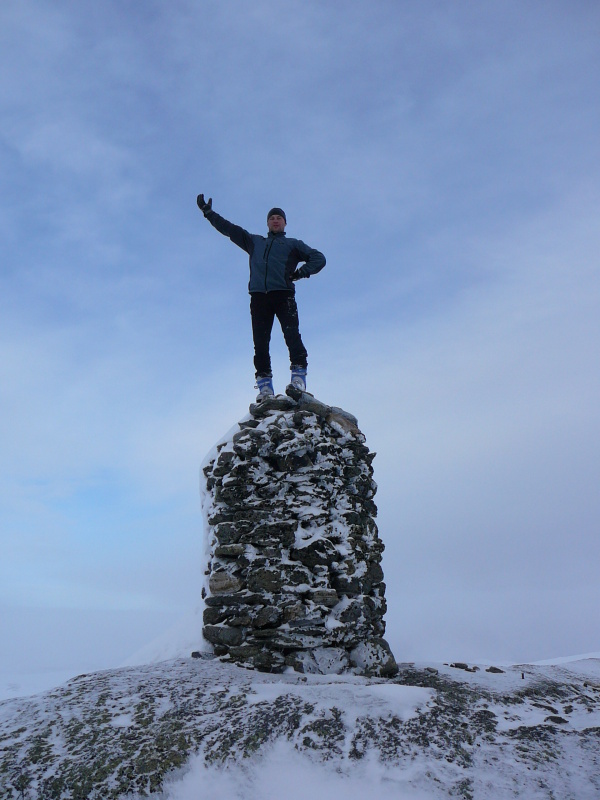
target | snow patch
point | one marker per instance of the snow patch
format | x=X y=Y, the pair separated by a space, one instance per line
x=283 y=772
x=381 y=700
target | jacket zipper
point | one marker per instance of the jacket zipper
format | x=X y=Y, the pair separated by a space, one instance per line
x=266 y=257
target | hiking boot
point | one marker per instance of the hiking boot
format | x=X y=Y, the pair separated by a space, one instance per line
x=264 y=384
x=298 y=379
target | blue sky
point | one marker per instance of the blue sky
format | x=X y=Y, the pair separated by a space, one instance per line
x=444 y=157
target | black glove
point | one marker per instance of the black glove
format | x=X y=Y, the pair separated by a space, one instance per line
x=302 y=272
x=204 y=207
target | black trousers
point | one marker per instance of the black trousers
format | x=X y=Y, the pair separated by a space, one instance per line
x=263 y=309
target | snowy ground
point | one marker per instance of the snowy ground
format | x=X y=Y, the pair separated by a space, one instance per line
x=281 y=769
x=542 y=744
x=284 y=772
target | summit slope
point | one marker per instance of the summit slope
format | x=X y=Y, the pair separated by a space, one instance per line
x=444 y=731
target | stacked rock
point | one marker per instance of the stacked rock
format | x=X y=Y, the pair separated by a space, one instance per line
x=294 y=557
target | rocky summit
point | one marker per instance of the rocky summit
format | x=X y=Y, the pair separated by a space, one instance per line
x=294 y=556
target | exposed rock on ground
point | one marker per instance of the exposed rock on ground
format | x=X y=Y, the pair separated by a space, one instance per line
x=295 y=576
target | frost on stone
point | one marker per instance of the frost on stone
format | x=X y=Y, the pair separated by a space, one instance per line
x=293 y=551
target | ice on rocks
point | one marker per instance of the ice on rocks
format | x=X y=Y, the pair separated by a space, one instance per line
x=290 y=521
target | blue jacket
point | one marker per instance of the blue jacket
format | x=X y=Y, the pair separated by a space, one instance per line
x=273 y=258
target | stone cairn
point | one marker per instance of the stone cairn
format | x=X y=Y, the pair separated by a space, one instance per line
x=294 y=557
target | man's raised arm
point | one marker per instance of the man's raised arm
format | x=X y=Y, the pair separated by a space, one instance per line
x=236 y=233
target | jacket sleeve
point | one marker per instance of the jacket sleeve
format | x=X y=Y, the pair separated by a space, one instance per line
x=236 y=233
x=315 y=260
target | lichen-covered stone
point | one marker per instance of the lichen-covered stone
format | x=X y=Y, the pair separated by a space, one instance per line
x=374 y=657
x=325 y=597
x=291 y=524
x=223 y=635
x=224 y=583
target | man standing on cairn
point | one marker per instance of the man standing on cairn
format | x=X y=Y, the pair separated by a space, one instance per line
x=274 y=267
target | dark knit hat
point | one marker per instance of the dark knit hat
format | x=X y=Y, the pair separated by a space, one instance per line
x=279 y=211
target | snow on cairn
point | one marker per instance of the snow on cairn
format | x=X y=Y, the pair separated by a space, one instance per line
x=294 y=557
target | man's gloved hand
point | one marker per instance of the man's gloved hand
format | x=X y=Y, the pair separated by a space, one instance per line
x=301 y=272
x=204 y=207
